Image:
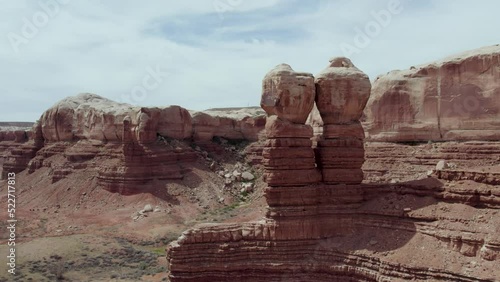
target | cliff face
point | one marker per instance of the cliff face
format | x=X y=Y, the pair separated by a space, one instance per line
x=457 y=98
x=91 y=117
x=323 y=225
x=128 y=148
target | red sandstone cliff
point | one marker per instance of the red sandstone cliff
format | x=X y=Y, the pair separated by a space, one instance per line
x=457 y=98
x=127 y=148
x=133 y=145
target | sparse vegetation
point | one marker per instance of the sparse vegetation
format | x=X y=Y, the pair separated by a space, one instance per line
x=160 y=251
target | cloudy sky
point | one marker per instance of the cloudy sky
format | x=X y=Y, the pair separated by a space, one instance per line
x=214 y=53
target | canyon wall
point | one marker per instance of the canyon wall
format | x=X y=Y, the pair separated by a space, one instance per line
x=91 y=117
x=128 y=148
x=455 y=99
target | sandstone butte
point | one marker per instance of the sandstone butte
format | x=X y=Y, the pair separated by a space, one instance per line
x=124 y=138
x=341 y=206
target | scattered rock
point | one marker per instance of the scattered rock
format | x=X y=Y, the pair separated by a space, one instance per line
x=213 y=165
x=247 y=187
x=441 y=165
x=247 y=176
x=237 y=175
x=148 y=208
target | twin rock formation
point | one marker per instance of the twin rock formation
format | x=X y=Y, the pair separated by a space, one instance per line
x=321 y=223
x=306 y=186
x=340 y=92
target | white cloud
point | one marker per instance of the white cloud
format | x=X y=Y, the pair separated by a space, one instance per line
x=105 y=46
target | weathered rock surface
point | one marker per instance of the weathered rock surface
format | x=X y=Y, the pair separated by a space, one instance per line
x=457 y=98
x=207 y=125
x=91 y=117
x=288 y=156
x=346 y=233
x=18 y=136
x=288 y=94
x=392 y=162
x=137 y=167
x=135 y=145
x=10 y=139
x=342 y=93
x=131 y=144
x=341 y=230
x=21 y=148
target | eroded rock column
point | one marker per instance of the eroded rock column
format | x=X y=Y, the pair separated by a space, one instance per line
x=288 y=157
x=342 y=91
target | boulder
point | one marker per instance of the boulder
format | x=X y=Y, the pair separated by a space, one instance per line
x=247 y=176
x=441 y=165
x=147 y=208
x=342 y=91
x=288 y=94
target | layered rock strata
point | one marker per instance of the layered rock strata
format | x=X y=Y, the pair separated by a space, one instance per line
x=392 y=162
x=455 y=99
x=346 y=231
x=21 y=150
x=342 y=92
x=128 y=148
x=288 y=157
x=207 y=126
